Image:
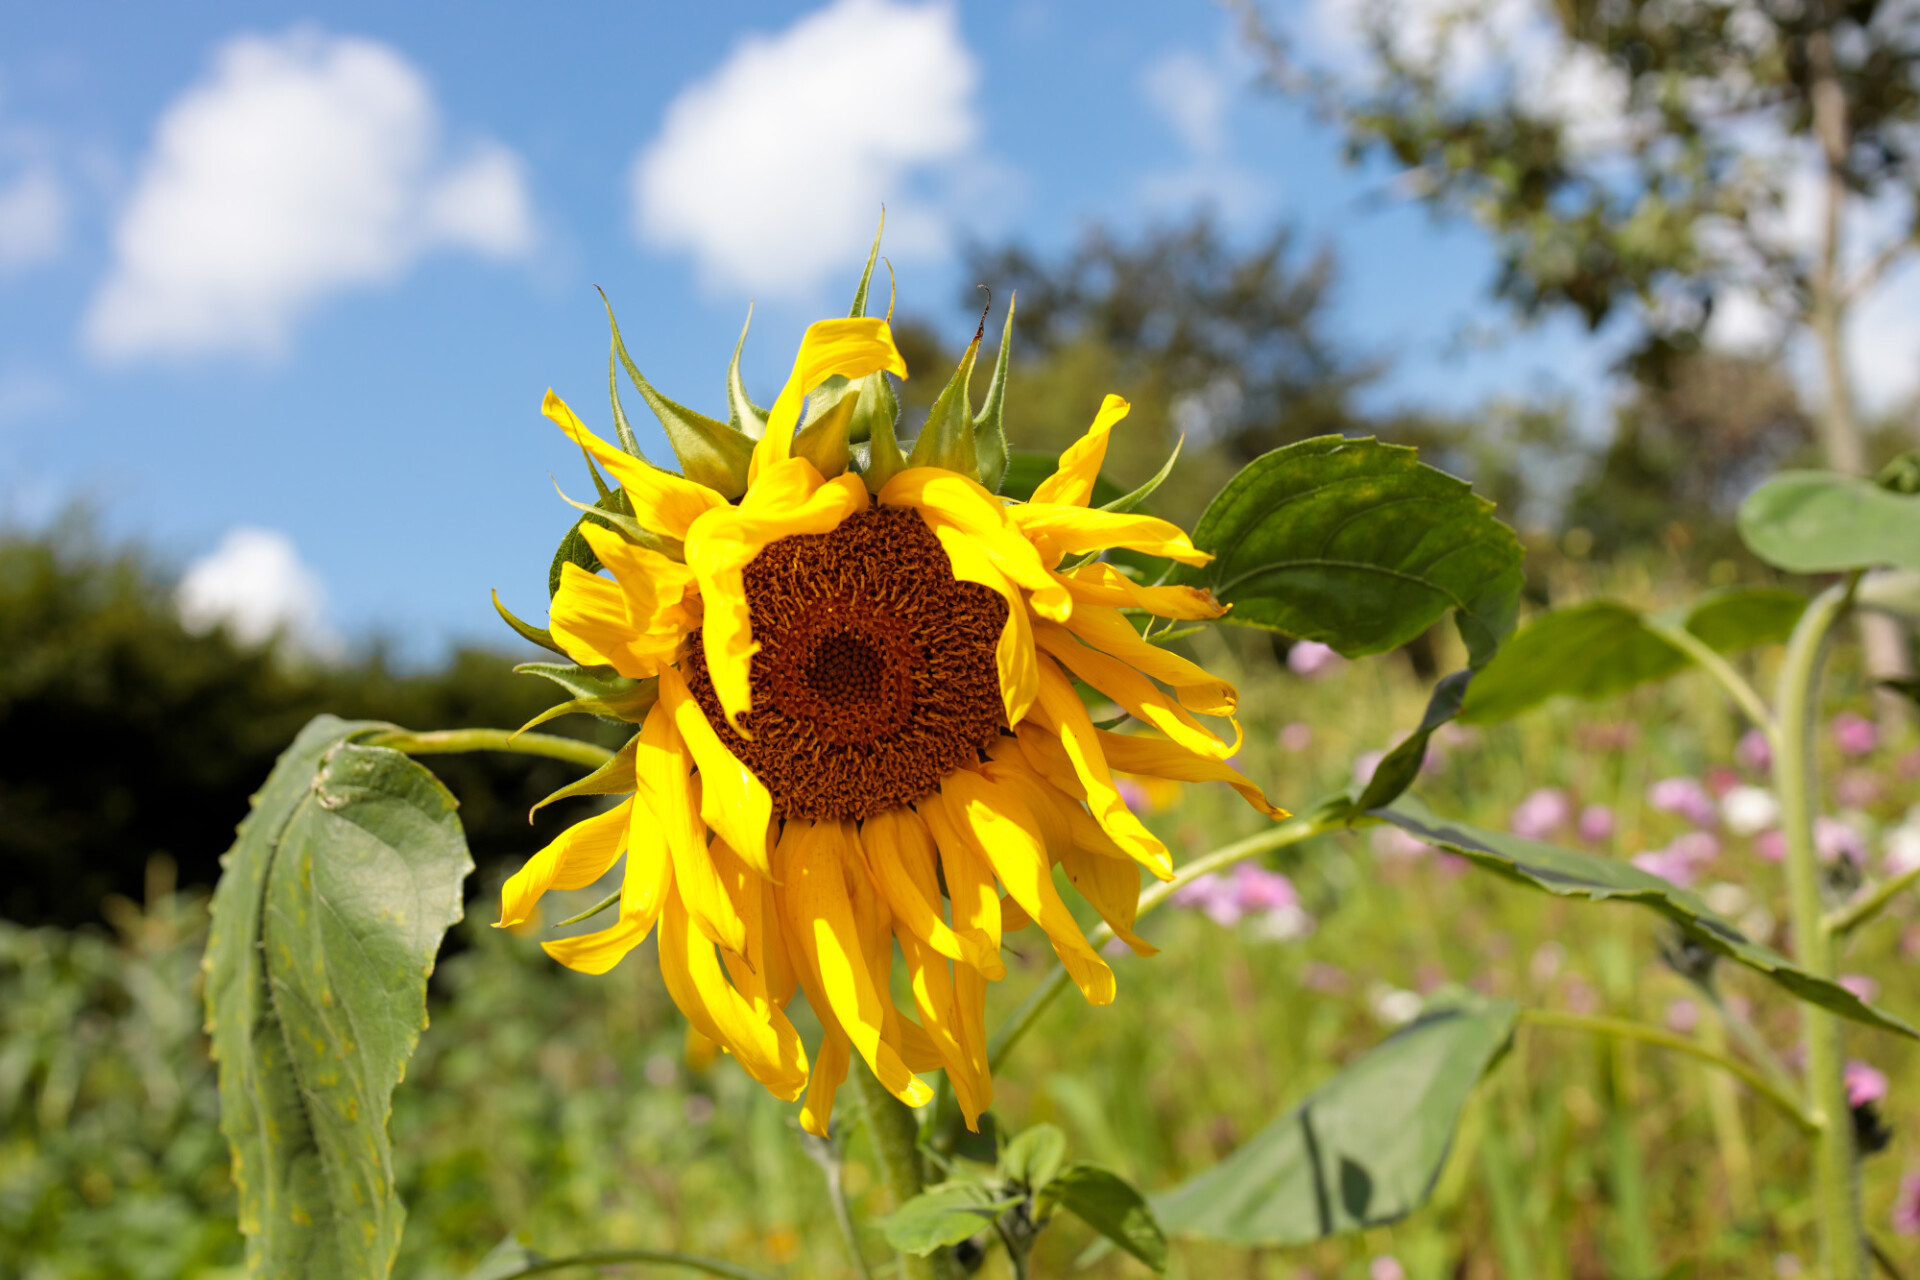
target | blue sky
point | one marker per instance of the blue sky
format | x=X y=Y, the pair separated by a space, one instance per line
x=307 y=270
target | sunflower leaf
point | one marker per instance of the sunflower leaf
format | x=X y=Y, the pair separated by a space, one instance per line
x=1363 y=1150
x=940 y=1217
x=1826 y=522
x=1400 y=766
x=1361 y=546
x=1112 y=1206
x=711 y=452
x=329 y=911
x=1567 y=873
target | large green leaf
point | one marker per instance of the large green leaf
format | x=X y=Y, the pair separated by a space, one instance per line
x=1400 y=766
x=1570 y=874
x=1825 y=522
x=326 y=920
x=1112 y=1206
x=943 y=1216
x=1359 y=545
x=1603 y=648
x=1363 y=1150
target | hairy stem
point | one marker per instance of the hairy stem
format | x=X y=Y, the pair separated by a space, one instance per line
x=1844 y=920
x=443 y=742
x=895 y=1136
x=1841 y=1244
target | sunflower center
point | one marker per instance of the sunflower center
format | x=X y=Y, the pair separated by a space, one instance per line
x=875 y=676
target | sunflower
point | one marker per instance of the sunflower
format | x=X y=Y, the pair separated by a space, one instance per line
x=866 y=727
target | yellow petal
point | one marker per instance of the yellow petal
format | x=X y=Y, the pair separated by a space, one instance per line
x=1072 y=482
x=596 y=953
x=662 y=502
x=758 y=1034
x=576 y=858
x=788 y=498
x=829 y=1073
x=933 y=995
x=1058 y=530
x=953 y=501
x=661 y=762
x=1101 y=583
x=1060 y=710
x=1139 y=695
x=900 y=852
x=1063 y=823
x=1003 y=831
x=1159 y=758
x=851 y=348
x=733 y=801
x=1112 y=887
x=1013 y=654
x=968 y=875
x=592 y=619
x=660 y=592
x=820 y=917
x=1197 y=688
x=649 y=871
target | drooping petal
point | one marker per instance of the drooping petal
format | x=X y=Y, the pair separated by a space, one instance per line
x=592 y=619
x=1013 y=653
x=1058 y=530
x=1063 y=822
x=1061 y=711
x=662 y=502
x=874 y=921
x=596 y=953
x=644 y=887
x=1139 y=695
x=788 y=498
x=1112 y=887
x=901 y=854
x=933 y=996
x=1072 y=482
x=661 y=597
x=661 y=762
x=757 y=1033
x=575 y=859
x=1101 y=583
x=733 y=801
x=1160 y=758
x=821 y=924
x=1006 y=834
x=953 y=501
x=830 y=1065
x=968 y=875
x=1198 y=689
x=852 y=348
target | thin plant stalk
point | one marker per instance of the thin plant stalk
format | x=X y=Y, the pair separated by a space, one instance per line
x=1842 y=1248
x=456 y=741
x=894 y=1132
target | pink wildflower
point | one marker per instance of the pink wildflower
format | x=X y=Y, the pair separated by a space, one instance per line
x=1771 y=846
x=1296 y=736
x=1754 y=753
x=1862 y=987
x=1834 y=839
x=1310 y=659
x=1864 y=1084
x=1855 y=735
x=1596 y=824
x=1541 y=814
x=1906 y=1205
x=1686 y=798
x=1683 y=1016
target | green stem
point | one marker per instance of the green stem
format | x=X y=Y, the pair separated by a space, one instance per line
x=661 y=1257
x=1714 y=664
x=1290 y=832
x=895 y=1136
x=1844 y=920
x=1627 y=1029
x=453 y=741
x=1841 y=1247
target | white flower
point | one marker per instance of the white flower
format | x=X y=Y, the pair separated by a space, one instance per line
x=1749 y=810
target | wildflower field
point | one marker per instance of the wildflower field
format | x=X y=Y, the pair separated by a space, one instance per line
x=572 y=1111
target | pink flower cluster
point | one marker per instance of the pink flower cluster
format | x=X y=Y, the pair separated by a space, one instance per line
x=1545 y=813
x=1682 y=861
x=1248 y=892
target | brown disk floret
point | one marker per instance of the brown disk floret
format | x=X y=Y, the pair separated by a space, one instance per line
x=875 y=676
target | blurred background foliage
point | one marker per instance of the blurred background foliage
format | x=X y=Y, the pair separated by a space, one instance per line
x=567 y=1108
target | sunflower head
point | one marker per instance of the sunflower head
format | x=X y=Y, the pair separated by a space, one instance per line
x=859 y=676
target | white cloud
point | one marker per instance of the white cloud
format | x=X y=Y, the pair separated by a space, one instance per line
x=771 y=171
x=1191 y=95
x=301 y=165
x=33 y=220
x=255 y=585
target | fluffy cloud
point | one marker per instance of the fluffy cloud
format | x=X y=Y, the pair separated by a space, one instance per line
x=771 y=171
x=301 y=165
x=1191 y=94
x=33 y=219
x=255 y=585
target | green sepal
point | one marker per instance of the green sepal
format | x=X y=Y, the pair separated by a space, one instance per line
x=822 y=438
x=990 y=424
x=580 y=681
x=743 y=415
x=859 y=307
x=711 y=452
x=947 y=440
x=622 y=429
x=614 y=778
x=875 y=417
x=590 y=912
x=1128 y=501
x=624 y=525
x=526 y=630
x=628 y=706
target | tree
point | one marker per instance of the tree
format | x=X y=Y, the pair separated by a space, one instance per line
x=1657 y=161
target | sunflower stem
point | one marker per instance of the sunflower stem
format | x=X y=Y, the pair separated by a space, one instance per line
x=894 y=1132
x=455 y=741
